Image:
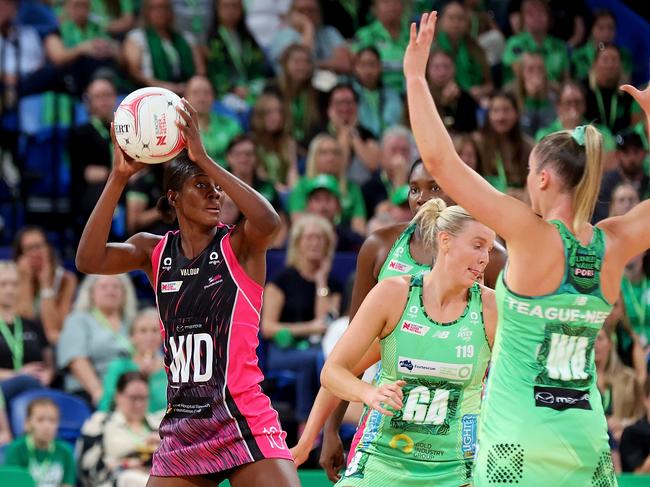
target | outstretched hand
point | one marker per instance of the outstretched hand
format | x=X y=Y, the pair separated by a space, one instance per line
x=419 y=47
x=641 y=97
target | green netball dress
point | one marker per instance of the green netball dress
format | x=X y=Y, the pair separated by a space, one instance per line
x=431 y=440
x=542 y=421
x=400 y=261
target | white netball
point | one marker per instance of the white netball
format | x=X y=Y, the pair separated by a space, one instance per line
x=145 y=125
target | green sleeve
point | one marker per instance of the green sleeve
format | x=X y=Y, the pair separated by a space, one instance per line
x=298 y=197
x=512 y=52
x=69 y=465
x=126 y=7
x=16 y=453
x=115 y=369
x=358 y=205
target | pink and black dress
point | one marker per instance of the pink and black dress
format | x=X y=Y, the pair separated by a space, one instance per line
x=217 y=416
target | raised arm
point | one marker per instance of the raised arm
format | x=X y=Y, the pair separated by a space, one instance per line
x=504 y=214
x=94 y=254
x=632 y=229
x=261 y=222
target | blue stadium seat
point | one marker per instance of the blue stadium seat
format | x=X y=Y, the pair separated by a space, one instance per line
x=73 y=412
x=16 y=477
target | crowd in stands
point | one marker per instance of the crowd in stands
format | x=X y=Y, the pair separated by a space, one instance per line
x=304 y=100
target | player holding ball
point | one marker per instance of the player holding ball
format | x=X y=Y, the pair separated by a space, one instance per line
x=208 y=280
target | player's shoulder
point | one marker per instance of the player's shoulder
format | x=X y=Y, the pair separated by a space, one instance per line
x=488 y=296
x=386 y=236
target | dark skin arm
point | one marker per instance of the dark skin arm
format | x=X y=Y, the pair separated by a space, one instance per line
x=252 y=237
x=94 y=254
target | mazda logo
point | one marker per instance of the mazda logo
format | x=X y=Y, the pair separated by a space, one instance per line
x=545 y=397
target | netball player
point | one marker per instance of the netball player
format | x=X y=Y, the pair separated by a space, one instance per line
x=208 y=281
x=395 y=250
x=435 y=330
x=542 y=420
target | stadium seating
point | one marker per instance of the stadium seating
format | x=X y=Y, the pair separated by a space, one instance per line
x=73 y=410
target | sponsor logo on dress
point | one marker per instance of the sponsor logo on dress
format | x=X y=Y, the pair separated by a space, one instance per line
x=561 y=399
x=442 y=334
x=402 y=442
x=399 y=266
x=213 y=281
x=425 y=451
x=468 y=429
x=167 y=263
x=415 y=328
x=464 y=334
x=190 y=272
x=170 y=286
x=442 y=370
x=213 y=258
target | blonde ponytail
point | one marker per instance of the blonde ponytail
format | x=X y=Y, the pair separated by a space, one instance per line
x=586 y=193
x=577 y=157
x=435 y=217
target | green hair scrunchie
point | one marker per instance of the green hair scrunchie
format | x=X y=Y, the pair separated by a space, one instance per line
x=578 y=134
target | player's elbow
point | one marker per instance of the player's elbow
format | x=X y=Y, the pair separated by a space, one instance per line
x=326 y=376
x=85 y=264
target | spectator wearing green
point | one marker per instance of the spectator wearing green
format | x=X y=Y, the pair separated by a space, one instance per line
x=325 y=157
x=276 y=148
x=635 y=290
x=454 y=38
x=242 y=161
x=628 y=169
x=77 y=28
x=304 y=25
x=603 y=32
x=570 y=108
x=535 y=38
x=216 y=130
x=389 y=34
x=116 y=17
x=360 y=147
x=504 y=148
x=235 y=62
x=49 y=461
x=301 y=100
x=146 y=358
x=606 y=104
x=156 y=54
x=534 y=95
x=379 y=106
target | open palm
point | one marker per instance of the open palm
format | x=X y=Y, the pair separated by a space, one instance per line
x=419 y=47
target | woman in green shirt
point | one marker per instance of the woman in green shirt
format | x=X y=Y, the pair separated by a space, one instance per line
x=454 y=37
x=217 y=131
x=326 y=157
x=504 y=147
x=534 y=94
x=146 y=358
x=294 y=84
x=117 y=17
x=276 y=148
x=234 y=60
